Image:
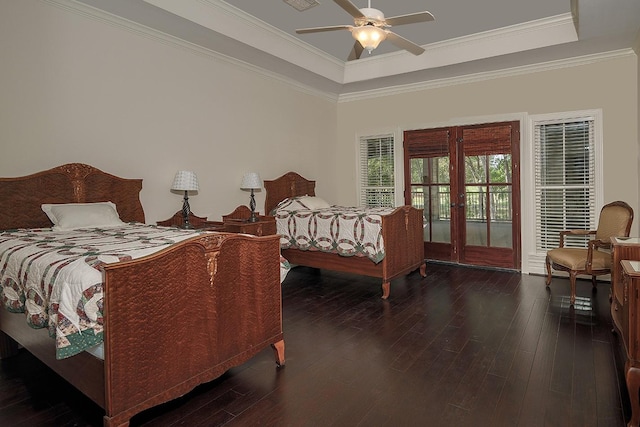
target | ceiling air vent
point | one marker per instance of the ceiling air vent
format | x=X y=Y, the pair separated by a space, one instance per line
x=302 y=5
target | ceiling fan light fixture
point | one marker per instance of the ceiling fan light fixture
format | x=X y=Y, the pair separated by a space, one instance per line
x=301 y=5
x=369 y=36
x=370 y=28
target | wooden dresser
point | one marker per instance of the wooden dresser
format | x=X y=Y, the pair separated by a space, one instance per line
x=625 y=285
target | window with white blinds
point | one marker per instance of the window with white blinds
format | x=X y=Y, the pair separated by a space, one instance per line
x=565 y=187
x=377 y=186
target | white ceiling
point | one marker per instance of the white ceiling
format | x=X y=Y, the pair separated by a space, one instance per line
x=467 y=36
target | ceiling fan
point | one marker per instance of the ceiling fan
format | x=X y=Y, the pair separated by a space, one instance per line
x=371 y=28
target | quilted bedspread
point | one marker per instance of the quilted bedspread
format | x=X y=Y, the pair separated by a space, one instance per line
x=54 y=277
x=348 y=231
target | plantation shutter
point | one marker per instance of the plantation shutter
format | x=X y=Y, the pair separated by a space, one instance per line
x=377 y=171
x=564 y=180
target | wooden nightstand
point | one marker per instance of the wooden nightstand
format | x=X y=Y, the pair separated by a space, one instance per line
x=265 y=226
x=238 y=222
x=196 y=222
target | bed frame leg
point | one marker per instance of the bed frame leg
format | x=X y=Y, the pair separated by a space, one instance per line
x=423 y=269
x=278 y=349
x=386 y=290
x=8 y=347
x=110 y=422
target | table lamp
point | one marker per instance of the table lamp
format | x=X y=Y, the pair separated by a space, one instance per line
x=251 y=181
x=185 y=181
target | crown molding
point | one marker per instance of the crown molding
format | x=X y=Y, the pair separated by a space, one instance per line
x=478 y=77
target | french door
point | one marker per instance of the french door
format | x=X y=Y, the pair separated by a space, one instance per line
x=467 y=180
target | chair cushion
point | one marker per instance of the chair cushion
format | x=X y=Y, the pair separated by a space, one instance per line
x=576 y=259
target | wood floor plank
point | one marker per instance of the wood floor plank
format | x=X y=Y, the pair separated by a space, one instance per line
x=512 y=397
x=584 y=398
x=538 y=386
x=564 y=357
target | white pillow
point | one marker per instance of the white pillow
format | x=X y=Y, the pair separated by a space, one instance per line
x=68 y=216
x=313 y=203
x=290 y=205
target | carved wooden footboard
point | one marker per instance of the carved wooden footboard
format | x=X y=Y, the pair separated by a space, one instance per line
x=212 y=313
x=401 y=231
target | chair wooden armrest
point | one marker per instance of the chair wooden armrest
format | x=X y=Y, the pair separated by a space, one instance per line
x=575 y=232
x=594 y=245
x=599 y=243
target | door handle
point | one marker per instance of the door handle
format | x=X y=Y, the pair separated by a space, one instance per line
x=461 y=205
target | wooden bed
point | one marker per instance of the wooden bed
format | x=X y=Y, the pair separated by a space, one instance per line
x=237 y=315
x=401 y=231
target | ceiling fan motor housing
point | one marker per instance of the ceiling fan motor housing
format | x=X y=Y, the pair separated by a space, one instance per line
x=372 y=16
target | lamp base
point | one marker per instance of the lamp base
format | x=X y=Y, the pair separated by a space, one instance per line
x=252 y=206
x=186 y=211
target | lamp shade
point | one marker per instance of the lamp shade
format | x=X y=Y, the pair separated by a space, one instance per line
x=251 y=181
x=185 y=181
x=369 y=36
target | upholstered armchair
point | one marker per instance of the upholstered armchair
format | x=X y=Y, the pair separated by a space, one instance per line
x=594 y=260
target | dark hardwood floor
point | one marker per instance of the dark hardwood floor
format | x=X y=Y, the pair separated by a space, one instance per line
x=462 y=347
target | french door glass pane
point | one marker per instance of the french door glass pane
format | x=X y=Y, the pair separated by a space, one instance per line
x=488 y=206
x=475 y=169
x=440 y=214
x=500 y=210
x=430 y=190
x=500 y=168
x=476 y=218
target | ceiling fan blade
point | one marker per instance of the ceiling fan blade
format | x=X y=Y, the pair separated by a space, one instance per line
x=351 y=8
x=323 y=29
x=356 y=51
x=411 y=18
x=403 y=43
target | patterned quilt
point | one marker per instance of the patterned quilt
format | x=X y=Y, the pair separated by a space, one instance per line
x=54 y=277
x=347 y=231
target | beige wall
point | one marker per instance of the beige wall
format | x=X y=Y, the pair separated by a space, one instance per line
x=75 y=89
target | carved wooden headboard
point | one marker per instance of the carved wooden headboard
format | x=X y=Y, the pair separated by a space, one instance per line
x=288 y=185
x=21 y=197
